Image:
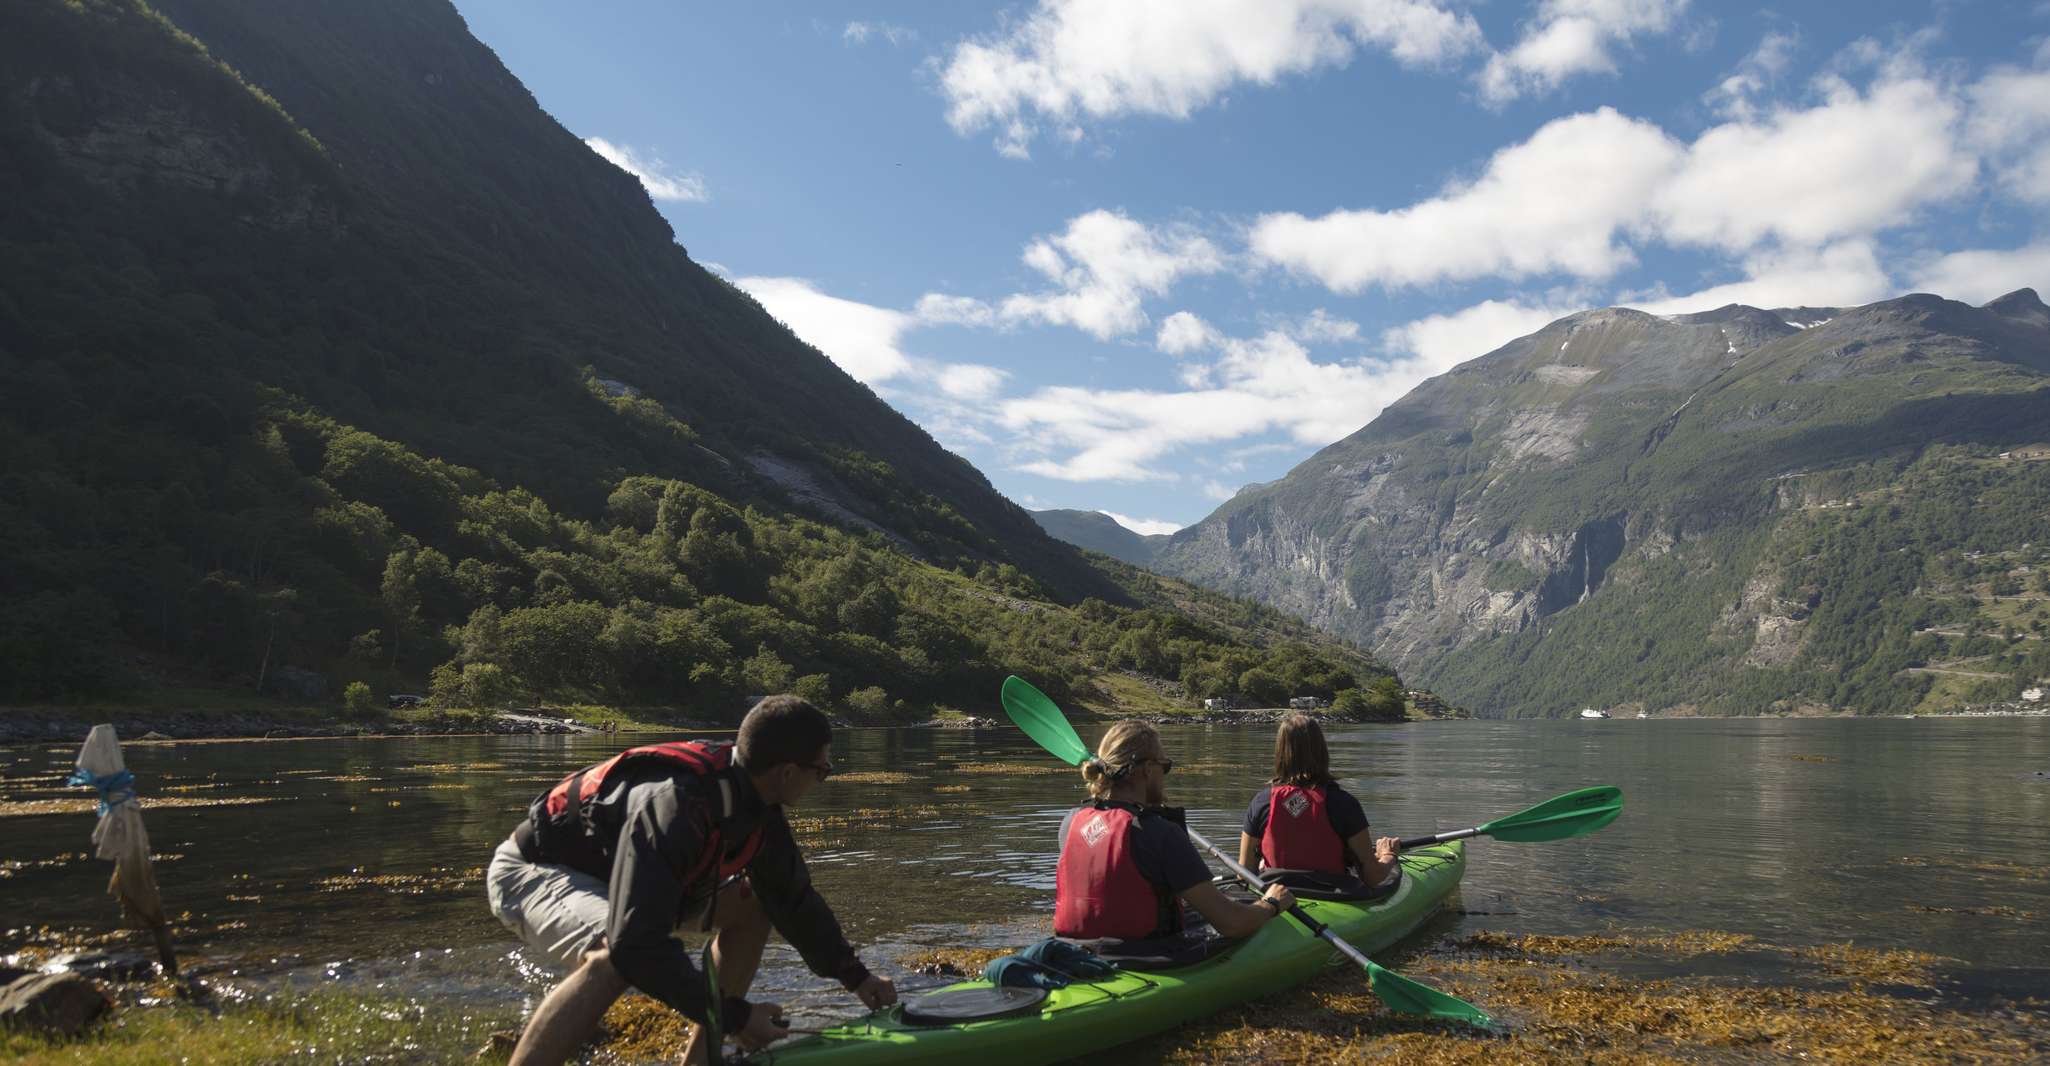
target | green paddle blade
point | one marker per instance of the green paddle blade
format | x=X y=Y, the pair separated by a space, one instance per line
x=1409 y=997
x=1571 y=815
x=1042 y=721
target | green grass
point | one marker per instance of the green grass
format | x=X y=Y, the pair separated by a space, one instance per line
x=321 y=1027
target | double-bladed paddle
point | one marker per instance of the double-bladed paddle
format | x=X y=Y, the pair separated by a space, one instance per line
x=1041 y=720
x=1571 y=815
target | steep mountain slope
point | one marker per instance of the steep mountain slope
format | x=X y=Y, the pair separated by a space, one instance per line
x=1628 y=508
x=326 y=355
x=1099 y=532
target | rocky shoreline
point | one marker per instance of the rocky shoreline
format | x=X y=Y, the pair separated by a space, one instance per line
x=32 y=727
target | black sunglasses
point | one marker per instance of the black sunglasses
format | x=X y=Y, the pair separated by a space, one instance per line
x=1166 y=765
x=824 y=770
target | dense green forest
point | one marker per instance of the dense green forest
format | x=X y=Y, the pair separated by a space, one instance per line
x=315 y=371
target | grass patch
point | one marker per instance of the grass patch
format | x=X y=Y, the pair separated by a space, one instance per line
x=319 y=1027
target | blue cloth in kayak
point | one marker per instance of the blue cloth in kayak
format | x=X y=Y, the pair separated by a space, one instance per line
x=1051 y=963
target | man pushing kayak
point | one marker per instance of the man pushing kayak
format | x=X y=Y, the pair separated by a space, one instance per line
x=621 y=855
x=1127 y=864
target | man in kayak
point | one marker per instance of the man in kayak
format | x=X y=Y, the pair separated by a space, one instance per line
x=1303 y=820
x=1127 y=864
x=619 y=856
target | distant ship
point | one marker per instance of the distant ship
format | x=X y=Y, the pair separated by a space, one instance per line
x=1589 y=712
x=1644 y=714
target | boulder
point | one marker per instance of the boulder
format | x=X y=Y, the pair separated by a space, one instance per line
x=59 y=1004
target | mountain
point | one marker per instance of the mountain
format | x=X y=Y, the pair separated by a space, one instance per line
x=327 y=355
x=1099 y=532
x=1736 y=511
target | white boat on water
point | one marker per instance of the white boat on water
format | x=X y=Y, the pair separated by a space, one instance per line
x=1644 y=714
x=1589 y=712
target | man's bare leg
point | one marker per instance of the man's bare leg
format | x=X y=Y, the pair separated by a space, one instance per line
x=570 y=1013
x=742 y=932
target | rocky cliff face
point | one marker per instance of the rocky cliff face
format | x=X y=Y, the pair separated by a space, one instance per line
x=1613 y=465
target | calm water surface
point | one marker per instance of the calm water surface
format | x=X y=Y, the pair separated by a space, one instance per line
x=363 y=865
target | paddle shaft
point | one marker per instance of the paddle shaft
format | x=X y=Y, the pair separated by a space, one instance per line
x=1315 y=927
x=1424 y=842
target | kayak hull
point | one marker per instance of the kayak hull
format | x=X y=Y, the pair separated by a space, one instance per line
x=1085 y=1018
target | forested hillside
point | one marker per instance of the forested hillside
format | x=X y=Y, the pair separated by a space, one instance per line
x=1741 y=511
x=326 y=355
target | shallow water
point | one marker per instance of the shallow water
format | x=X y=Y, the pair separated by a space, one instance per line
x=363 y=869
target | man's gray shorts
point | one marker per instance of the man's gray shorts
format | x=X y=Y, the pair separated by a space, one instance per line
x=558 y=912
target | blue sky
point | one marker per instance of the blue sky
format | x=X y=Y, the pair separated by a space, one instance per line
x=1130 y=256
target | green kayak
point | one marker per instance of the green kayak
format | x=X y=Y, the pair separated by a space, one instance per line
x=1088 y=1017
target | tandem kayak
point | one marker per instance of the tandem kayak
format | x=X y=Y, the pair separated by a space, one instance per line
x=1087 y=1017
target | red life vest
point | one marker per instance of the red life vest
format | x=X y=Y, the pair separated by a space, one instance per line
x=562 y=815
x=1099 y=890
x=1299 y=835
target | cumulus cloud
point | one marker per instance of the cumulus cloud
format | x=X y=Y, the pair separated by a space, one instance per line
x=971 y=381
x=1578 y=195
x=1441 y=342
x=1103 y=266
x=941 y=309
x=1983 y=274
x=1857 y=163
x=860 y=338
x=1843 y=274
x=1074 y=61
x=1147 y=527
x=1569 y=37
x=661 y=183
x=1556 y=202
x=1256 y=385
x=2011 y=122
x=1182 y=333
x=1736 y=97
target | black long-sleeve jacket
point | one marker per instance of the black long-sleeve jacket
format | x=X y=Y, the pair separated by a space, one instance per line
x=650 y=830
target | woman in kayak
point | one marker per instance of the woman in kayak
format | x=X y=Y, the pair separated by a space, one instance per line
x=1303 y=820
x=1127 y=863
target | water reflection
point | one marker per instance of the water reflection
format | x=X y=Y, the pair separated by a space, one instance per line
x=366 y=865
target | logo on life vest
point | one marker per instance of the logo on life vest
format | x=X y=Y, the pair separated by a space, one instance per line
x=1296 y=804
x=1095 y=830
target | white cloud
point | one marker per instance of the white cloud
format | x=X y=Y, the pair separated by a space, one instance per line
x=1218 y=490
x=1182 y=333
x=1577 y=194
x=1570 y=37
x=1736 y=97
x=1556 y=202
x=1441 y=342
x=940 y=309
x=860 y=338
x=1147 y=527
x=1983 y=274
x=653 y=173
x=1844 y=274
x=2011 y=122
x=1323 y=327
x=1855 y=164
x=861 y=32
x=1072 y=61
x=970 y=381
x=1103 y=267
x=1257 y=385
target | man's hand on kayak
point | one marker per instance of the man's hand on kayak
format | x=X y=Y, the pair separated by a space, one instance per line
x=1282 y=898
x=1386 y=848
x=877 y=992
x=762 y=1029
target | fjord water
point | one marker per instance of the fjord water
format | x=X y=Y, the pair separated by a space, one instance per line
x=360 y=865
